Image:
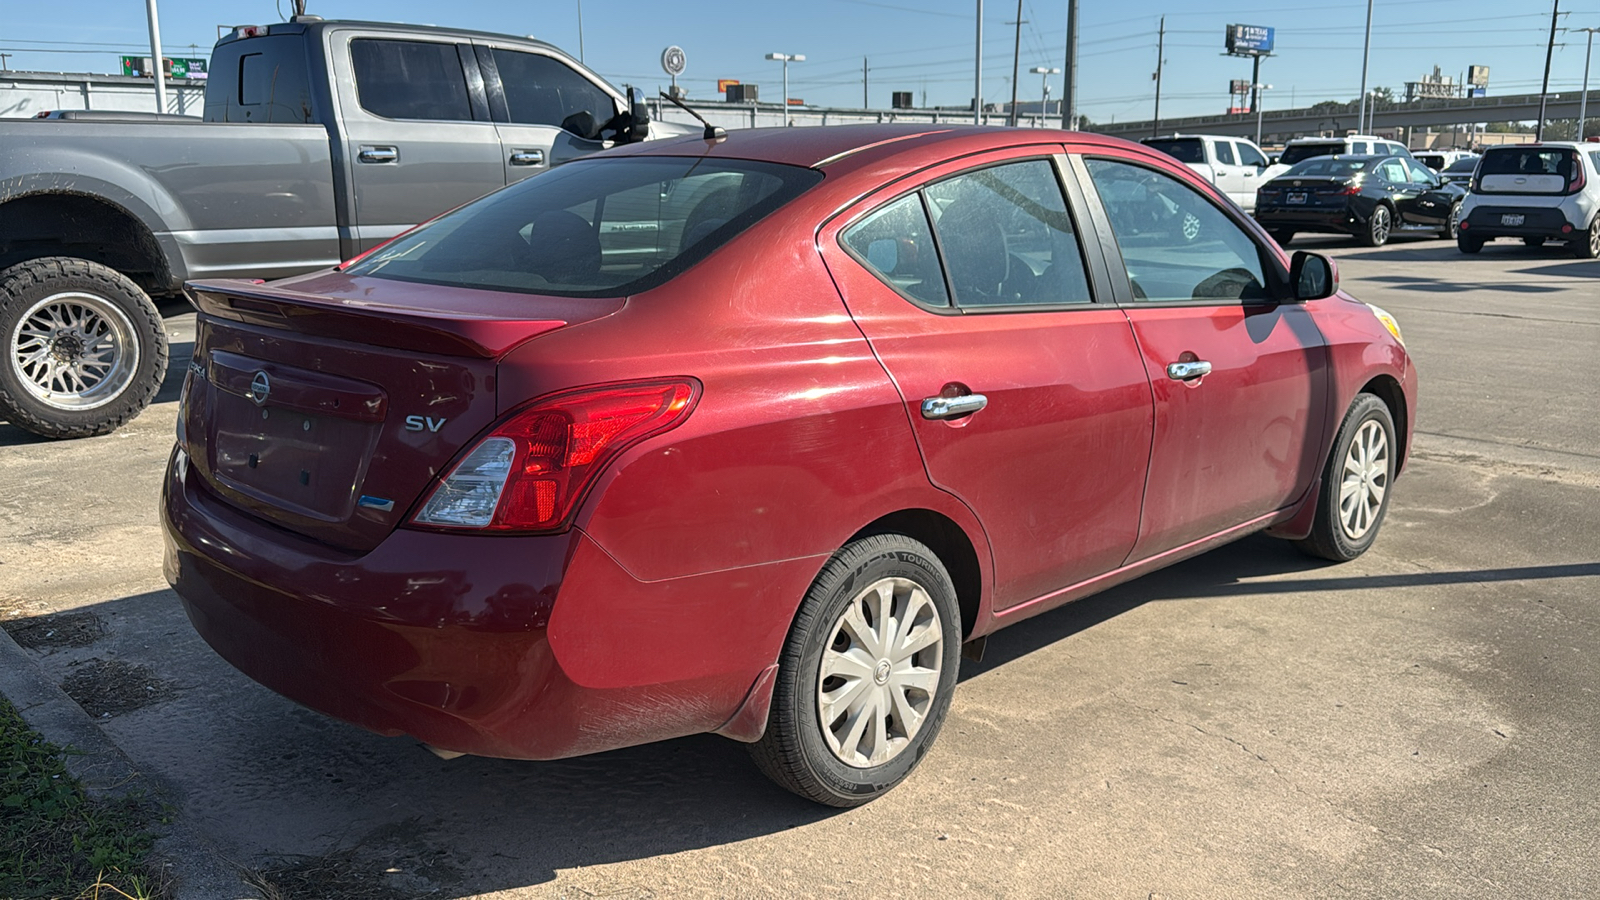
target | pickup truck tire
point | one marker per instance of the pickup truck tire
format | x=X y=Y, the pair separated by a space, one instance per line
x=84 y=350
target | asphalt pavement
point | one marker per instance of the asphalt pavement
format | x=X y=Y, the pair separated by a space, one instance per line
x=1251 y=723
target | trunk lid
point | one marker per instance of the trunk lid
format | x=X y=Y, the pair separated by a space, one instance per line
x=328 y=404
x=1307 y=191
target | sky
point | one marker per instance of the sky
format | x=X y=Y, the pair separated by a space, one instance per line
x=926 y=47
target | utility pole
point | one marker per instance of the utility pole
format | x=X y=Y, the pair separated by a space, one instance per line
x=977 y=73
x=1583 y=100
x=1549 y=51
x=3 y=58
x=1161 y=52
x=1259 y=87
x=580 y=30
x=1016 y=53
x=1069 y=90
x=1366 y=55
x=156 y=62
x=865 y=103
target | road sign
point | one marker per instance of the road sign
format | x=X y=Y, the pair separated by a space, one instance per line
x=1249 y=40
x=673 y=62
x=1239 y=86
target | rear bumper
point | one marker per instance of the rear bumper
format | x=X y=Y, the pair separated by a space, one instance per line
x=1488 y=221
x=1342 y=220
x=452 y=638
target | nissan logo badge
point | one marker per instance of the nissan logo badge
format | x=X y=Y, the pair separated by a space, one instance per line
x=260 y=388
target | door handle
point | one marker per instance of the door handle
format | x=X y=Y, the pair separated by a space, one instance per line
x=953 y=407
x=1183 y=371
x=527 y=158
x=378 y=154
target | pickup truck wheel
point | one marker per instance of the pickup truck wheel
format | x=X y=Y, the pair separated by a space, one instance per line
x=84 y=348
x=865 y=677
x=1355 y=484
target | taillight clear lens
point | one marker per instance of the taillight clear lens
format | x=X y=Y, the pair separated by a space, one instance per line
x=534 y=468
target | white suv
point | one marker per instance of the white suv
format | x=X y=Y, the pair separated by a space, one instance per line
x=1537 y=192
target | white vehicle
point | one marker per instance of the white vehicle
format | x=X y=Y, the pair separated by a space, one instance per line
x=1537 y=192
x=1235 y=165
x=1301 y=149
x=1439 y=160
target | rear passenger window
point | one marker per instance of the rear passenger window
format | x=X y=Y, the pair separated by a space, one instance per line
x=1250 y=156
x=896 y=244
x=1175 y=245
x=1225 y=153
x=1362 y=148
x=410 y=80
x=1007 y=238
x=544 y=91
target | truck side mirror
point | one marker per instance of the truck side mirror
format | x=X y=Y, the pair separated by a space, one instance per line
x=639 y=112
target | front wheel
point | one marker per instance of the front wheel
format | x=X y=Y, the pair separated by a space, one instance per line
x=1377 y=233
x=84 y=348
x=1588 y=246
x=1355 y=484
x=865 y=677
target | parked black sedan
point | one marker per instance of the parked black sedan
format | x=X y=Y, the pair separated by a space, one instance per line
x=1371 y=197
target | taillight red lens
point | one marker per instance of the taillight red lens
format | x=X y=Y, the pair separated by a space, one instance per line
x=1579 y=179
x=1350 y=190
x=558 y=445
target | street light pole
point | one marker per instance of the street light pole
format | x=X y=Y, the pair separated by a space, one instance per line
x=158 y=70
x=977 y=73
x=1044 y=73
x=1583 y=101
x=1016 y=54
x=786 y=58
x=1258 y=89
x=1366 y=55
x=1161 y=51
x=1069 y=86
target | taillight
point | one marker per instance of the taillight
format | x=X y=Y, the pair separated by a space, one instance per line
x=1579 y=179
x=533 y=469
x=1351 y=190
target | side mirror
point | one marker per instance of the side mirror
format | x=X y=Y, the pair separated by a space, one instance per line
x=1313 y=276
x=639 y=112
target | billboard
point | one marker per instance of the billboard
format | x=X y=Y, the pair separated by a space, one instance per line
x=1478 y=76
x=175 y=67
x=1249 y=40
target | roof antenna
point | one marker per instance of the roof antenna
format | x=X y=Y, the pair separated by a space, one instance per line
x=712 y=132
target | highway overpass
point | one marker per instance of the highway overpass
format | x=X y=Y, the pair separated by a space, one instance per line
x=1288 y=123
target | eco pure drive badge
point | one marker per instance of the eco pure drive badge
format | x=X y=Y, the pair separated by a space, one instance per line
x=260 y=388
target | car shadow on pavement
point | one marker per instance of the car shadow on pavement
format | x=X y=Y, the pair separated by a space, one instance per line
x=1451 y=286
x=1446 y=251
x=307 y=802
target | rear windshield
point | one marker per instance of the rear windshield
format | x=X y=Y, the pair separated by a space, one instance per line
x=597 y=227
x=1329 y=166
x=1292 y=155
x=1432 y=160
x=1186 y=150
x=1529 y=161
x=1463 y=166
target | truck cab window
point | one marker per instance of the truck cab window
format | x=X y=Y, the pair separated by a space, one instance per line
x=410 y=80
x=541 y=90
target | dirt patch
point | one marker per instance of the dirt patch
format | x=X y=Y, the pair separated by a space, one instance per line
x=53 y=632
x=111 y=687
x=391 y=863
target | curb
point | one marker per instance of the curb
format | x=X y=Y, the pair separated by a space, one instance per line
x=198 y=871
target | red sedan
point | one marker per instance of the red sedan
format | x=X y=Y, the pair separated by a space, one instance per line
x=752 y=435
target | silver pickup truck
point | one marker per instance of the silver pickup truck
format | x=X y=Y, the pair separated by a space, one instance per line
x=320 y=140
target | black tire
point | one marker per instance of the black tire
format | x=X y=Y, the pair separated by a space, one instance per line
x=1467 y=244
x=1533 y=242
x=1330 y=537
x=1379 y=224
x=111 y=393
x=794 y=751
x=1282 y=235
x=1587 y=246
x=1451 y=231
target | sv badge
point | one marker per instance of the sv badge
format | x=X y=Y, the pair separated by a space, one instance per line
x=424 y=423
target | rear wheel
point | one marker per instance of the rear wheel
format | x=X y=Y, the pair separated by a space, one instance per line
x=84 y=348
x=1377 y=233
x=1588 y=246
x=1355 y=484
x=1467 y=243
x=1533 y=241
x=865 y=677
x=1282 y=235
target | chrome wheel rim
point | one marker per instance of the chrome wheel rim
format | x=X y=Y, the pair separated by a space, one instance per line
x=1594 y=237
x=880 y=672
x=1454 y=224
x=74 y=351
x=1366 y=480
x=1380 y=225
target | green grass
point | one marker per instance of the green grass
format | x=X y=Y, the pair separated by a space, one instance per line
x=55 y=840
